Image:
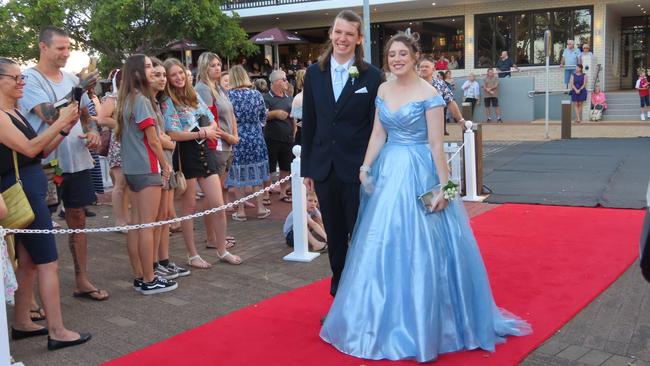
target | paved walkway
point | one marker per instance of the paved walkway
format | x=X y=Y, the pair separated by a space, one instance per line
x=535 y=131
x=613 y=330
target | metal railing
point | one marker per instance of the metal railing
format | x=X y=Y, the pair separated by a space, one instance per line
x=236 y=4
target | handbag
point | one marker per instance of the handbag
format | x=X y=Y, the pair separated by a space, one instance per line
x=19 y=211
x=181 y=182
x=430 y=198
x=105 y=138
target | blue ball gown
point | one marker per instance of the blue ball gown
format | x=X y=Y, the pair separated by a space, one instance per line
x=414 y=284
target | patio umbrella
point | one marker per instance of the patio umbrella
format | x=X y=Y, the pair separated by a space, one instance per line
x=275 y=37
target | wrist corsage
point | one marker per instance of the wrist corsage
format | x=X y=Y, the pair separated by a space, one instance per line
x=354 y=73
x=450 y=191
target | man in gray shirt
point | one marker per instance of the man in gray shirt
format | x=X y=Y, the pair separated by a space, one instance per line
x=280 y=128
x=46 y=85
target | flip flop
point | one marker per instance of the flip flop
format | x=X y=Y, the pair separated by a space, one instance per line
x=236 y=217
x=264 y=214
x=37 y=314
x=90 y=295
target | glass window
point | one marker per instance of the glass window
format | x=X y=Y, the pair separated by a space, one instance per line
x=561 y=28
x=504 y=35
x=522 y=34
x=542 y=21
x=485 y=42
x=582 y=28
x=523 y=40
x=440 y=38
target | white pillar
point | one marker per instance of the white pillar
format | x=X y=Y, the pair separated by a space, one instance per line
x=470 y=164
x=5 y=357
x=301 y=251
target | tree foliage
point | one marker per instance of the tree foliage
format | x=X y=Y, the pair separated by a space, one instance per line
x=117 y=28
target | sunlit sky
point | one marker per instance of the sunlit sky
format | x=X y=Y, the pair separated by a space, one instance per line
x=77 y=61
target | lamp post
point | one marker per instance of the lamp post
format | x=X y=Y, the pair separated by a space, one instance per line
x=366 y=31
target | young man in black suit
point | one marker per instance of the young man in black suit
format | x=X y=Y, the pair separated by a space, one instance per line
x=338 y=114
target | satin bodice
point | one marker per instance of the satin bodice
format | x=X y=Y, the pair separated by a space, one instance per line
x=408 y=124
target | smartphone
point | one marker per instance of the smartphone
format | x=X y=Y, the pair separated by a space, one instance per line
x=197 y=129
x=92 y=66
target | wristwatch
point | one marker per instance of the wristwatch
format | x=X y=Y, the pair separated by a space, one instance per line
x=364 y=168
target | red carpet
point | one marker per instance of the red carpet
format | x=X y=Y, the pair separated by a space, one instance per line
x=545 y=264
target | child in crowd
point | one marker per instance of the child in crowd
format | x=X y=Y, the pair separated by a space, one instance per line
x=316 y=236
x=644 y=94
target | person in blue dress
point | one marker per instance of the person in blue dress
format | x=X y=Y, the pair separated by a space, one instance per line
x=414 y=284
x=578 y=84
x=250 y=163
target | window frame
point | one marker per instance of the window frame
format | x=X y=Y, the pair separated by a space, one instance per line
x=514 y=15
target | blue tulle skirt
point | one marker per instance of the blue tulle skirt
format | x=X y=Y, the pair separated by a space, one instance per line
x=414 y=284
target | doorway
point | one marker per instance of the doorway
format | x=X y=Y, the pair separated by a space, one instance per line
x=635 y=32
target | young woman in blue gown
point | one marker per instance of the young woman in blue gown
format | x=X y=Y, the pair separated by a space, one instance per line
x=414 y=284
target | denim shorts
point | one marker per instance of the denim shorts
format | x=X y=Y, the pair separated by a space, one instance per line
x=77 y=189
x=645 y=101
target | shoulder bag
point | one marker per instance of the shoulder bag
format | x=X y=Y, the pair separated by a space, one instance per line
x=19 y=211
x=181 y=182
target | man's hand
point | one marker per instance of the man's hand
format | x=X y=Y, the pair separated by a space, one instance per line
x=92 y=140
x=87 y=79
x=309 y=183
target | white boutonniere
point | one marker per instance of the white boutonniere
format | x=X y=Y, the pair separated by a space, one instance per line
x=354 y=73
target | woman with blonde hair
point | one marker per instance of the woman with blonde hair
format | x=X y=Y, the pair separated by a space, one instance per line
x=209 y=89
x=296 y=106
x=190 y=123
x=250 y=166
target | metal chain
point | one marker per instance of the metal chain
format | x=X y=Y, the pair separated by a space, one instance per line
x=4 y=231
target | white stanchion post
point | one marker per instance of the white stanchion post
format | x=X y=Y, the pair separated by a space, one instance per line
x=301 y=251
x=470 y=164
x=5 y=356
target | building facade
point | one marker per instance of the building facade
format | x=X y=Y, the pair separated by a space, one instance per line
x=475 y=32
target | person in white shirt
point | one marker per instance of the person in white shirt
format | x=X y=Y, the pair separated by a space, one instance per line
x=472 y=91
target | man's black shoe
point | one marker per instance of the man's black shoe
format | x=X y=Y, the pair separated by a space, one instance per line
x=90 y=213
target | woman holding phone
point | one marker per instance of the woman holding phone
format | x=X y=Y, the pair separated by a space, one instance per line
x=189 y=122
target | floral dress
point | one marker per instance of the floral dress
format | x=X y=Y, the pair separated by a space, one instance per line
x=250 y=165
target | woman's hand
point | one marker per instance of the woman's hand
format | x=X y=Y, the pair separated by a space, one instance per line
x=210 y=133
x=441 y=205
x=367 y=182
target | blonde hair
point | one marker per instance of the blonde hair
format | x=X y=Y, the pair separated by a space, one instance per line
x=300 y=79
x=204 y=62
x=185 y=96
x=239 y=78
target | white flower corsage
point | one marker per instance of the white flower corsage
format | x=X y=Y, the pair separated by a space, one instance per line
x=354 y=73
x=450 y=191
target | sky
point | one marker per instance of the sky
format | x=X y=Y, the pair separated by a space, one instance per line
x=77 y=61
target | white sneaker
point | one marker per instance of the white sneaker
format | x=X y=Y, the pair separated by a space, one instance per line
x=648 y=113
x=642 y=117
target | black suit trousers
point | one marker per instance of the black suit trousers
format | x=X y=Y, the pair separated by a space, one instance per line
x=339 y=203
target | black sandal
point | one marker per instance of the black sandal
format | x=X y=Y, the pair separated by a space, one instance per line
x=37 y=315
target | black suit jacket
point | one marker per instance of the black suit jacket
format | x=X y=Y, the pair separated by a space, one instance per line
x=335 y=134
